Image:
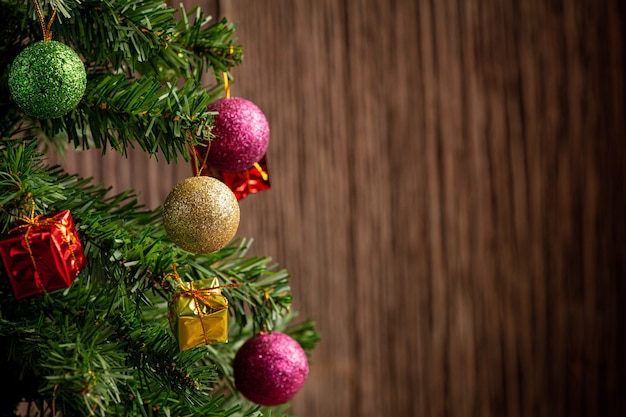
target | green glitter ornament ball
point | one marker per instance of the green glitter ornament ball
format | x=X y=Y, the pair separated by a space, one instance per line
x=47 y=79
x=201 y=214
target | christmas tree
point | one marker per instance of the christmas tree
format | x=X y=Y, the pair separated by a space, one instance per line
x=108 y=308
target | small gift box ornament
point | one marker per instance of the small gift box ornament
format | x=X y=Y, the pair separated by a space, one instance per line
x=249 y=181
x=198 y=314
x=43 y=254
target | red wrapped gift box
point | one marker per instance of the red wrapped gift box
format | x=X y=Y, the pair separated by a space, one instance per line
x=249 y=181
x=43 y=255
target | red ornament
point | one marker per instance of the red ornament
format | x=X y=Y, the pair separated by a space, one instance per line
x=43 y=255
x=242 y=183
x=248 y=181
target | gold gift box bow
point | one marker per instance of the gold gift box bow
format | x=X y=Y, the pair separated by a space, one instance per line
x=199 y=314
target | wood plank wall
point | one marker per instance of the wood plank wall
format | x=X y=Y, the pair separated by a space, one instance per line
x=448 y=193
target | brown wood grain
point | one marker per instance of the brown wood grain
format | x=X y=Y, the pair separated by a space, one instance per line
x=448 y=194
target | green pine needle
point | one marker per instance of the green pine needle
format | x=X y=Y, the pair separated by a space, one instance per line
x=103 y=346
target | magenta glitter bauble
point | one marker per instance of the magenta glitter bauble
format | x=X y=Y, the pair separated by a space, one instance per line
x=270 y=368
x=241 y=134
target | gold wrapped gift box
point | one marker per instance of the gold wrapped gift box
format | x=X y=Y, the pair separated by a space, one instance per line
x=199 y=314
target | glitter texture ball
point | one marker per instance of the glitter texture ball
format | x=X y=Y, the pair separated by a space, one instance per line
x=47 y=79
x=270 y=368
x=201 y=214
x=241 y=134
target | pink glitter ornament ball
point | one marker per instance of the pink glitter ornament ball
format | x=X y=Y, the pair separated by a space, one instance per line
x=270 y=368
x=241 y=134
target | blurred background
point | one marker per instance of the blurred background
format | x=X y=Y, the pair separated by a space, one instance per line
x=448 y=194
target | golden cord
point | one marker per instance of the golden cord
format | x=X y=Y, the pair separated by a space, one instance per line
x=46 y=28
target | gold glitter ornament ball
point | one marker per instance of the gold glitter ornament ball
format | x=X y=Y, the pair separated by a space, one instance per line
x=201 y=214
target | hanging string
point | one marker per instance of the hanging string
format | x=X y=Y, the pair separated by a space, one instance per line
x=54 y=398
x=93 y=410
x=46 y=28
x=226 y=83
x=196 y=167
x=225 y=74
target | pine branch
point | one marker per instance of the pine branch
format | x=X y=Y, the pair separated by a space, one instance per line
x=109 y=350
x=119 y=113
x=118 y=31
x=212 y=46
x=11 y=33
x=194 y=47
x=103 y=347
x=264 y=293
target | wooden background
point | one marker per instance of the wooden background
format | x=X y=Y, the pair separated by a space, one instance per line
x=448 y=194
